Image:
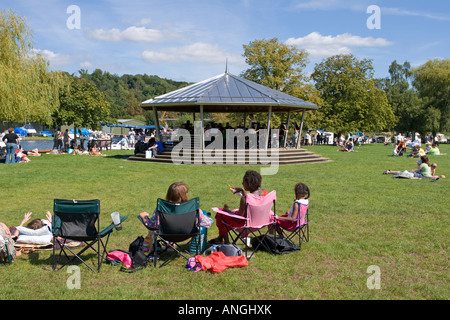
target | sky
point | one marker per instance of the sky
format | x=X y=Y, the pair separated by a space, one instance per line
x=193 y=40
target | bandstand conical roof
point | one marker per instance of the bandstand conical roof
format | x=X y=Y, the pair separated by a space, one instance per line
x=227 y=93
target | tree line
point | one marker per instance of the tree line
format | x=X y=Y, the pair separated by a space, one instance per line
x=344 y=88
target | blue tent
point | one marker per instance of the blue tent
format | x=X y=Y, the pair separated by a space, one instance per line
x=20 y=131
x=84 y=131
x=132 y=126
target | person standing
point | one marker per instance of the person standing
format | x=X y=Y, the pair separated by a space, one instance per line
x=132 y=138
x=11 y=140
x=57 y=144
x=66 y=140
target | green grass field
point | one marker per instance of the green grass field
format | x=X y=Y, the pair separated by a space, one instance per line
x=359 y=218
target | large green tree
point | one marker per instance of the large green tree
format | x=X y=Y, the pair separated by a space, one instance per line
x=404 y=100
x=82 y=104
x=28 y=90
x=432 y=81
x=282 y=68
x=351 y=101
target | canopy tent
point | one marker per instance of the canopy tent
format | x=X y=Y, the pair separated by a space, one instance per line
x=21 y=131
x=83 y=131
x=131 y=126
x=227 y=93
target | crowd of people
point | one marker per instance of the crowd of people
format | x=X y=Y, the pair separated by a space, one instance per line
x=424 y=169
x=66 y=142
x=14 y=150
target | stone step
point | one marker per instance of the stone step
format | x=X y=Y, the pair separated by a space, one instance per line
x=290 y=156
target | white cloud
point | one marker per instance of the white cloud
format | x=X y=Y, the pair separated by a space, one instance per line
x=361 y=5
x=197 y=52
x=86 y=65
x=318 y=45
x=333 y=4
x=55 y=59
x=135 y=34
x=402 y=12
x=144 y=21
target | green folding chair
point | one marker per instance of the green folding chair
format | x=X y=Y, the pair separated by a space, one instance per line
x=79 y=220
x=178 y=222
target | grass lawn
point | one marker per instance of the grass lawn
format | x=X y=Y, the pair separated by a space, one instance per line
x=359 y=218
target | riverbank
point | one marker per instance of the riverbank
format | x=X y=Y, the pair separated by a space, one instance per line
x=36 y=138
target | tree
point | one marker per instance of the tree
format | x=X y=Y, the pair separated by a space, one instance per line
x=125 y=93
x=28 y=91
x=82 y=105
x=279 y=67
x=275 y=65
x=351 y=102
x=402 y=97
x=432 y=81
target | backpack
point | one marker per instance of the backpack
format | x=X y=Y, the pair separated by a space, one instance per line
x=277 y=245
x=230 y=250
x=134 y=259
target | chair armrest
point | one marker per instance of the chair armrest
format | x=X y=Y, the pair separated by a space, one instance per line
x=109 y=228
x=233 y=215
x=142 y=221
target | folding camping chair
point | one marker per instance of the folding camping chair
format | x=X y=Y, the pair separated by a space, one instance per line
x=259 y=216
x=6 y=257
x=299 y=227
x=177 y=222
x=79 y=220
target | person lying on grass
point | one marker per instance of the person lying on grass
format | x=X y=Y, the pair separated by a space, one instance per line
x=424 y=170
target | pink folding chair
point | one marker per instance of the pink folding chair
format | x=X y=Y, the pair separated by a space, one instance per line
x=299 y=227
x=259 y=216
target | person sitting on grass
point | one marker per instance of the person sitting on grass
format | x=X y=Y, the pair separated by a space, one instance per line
x=348 y=147
x=434 y=150
x=95 y=152
x=21 y=156
x=417 y=152
x=399 y=149
x=433 y=172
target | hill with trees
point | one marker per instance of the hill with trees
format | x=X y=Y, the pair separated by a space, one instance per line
x=126 y=92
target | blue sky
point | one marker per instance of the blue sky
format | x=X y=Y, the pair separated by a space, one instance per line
x=190 y=40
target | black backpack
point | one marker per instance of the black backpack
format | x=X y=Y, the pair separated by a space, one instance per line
x=277 y=245
x=138 y=258
x=137 y=254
